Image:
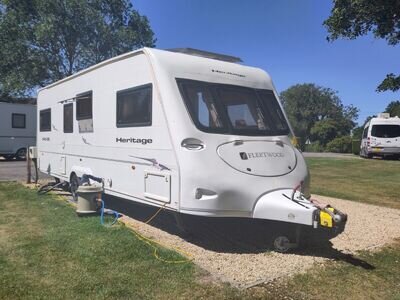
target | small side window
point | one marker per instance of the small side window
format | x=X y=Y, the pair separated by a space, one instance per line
x=84 y=106
x=134 y=106
x=84 y=112
x=18 y=121
x=365 y=133
x=45 y=120
x=68 y=118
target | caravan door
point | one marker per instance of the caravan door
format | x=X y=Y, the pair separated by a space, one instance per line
x=68 y=127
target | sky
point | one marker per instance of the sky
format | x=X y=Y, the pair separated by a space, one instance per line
x=286 y=38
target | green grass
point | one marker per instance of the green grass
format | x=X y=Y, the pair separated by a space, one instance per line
x=346 y=281
x=370 y=181
x=47 y=252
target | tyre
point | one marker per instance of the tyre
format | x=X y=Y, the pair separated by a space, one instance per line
x=281 y=244
x=21 y=154
x=8 y=157
x=73 y=187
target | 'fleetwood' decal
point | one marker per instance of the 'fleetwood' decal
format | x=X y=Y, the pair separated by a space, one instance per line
x=251 y=155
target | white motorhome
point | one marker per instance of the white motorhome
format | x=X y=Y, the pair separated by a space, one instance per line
x=17 y=129
x=193 y=131
x=381 y=137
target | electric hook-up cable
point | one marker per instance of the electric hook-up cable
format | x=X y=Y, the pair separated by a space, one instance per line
x=156 y=245
x=44 y=189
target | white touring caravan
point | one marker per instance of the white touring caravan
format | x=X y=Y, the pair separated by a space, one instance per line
x=193 y=131
x=17 y=129
x=381 y=137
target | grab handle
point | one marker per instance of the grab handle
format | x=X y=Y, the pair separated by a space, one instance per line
x=192 y=144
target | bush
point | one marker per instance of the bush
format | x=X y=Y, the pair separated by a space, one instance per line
x=340 y=145
x=314 y=147
x=355 y=146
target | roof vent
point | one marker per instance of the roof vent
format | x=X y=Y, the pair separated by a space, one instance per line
x=384 y=115
x=207 y=54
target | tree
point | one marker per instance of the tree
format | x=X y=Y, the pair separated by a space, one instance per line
x=357 y=132
x=393 y=108
x=354 y=18
x=316 y=113
x=44 y=41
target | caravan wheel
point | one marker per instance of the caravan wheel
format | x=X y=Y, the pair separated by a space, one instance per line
x=282 y=244
x=21 y=154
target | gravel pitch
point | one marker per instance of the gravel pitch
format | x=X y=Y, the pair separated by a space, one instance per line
x=243 y=262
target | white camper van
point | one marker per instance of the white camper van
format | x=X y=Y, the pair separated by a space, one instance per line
x=381 y=137
x=17 y=129
x=193 y=131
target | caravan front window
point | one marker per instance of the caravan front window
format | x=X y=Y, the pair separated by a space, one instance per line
x=202 y=105
x=229 y=109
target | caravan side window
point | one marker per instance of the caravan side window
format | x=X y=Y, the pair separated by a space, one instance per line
x=365 y=133
x=134 y=106
x=45 y=120
x=84 y=106
x=68 y=118
x=18 y=121
x=84 y=111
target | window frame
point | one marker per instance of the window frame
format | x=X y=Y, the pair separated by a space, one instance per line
x=227 y=128
x=77 y=111
x=43 y=111
x=150 y=106
x=68 y=105
x=12 y=121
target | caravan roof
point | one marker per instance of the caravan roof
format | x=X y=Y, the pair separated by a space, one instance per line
x=186 y=60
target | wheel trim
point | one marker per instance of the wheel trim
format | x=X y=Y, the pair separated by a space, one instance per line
x=281 y=244
x=21 y=153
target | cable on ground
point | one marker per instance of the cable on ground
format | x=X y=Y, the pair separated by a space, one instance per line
x=153 y=244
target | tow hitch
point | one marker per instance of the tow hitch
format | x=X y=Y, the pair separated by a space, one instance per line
x=327 y=220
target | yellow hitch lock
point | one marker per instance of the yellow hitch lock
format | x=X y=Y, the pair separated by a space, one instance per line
x=325 y=218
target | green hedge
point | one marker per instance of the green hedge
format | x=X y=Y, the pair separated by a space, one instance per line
x=314 y=147
x=339 y=145
x=355 y=146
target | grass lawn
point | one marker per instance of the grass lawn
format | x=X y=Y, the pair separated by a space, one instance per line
x=47 y=252
x=345 y=281
x=371 y=181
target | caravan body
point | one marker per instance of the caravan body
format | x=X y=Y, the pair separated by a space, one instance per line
x=17 y=129
x=201 y=136
x=381 y=137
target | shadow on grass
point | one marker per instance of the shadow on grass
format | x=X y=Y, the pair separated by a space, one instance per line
x=326 y=250
x=228 y=235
